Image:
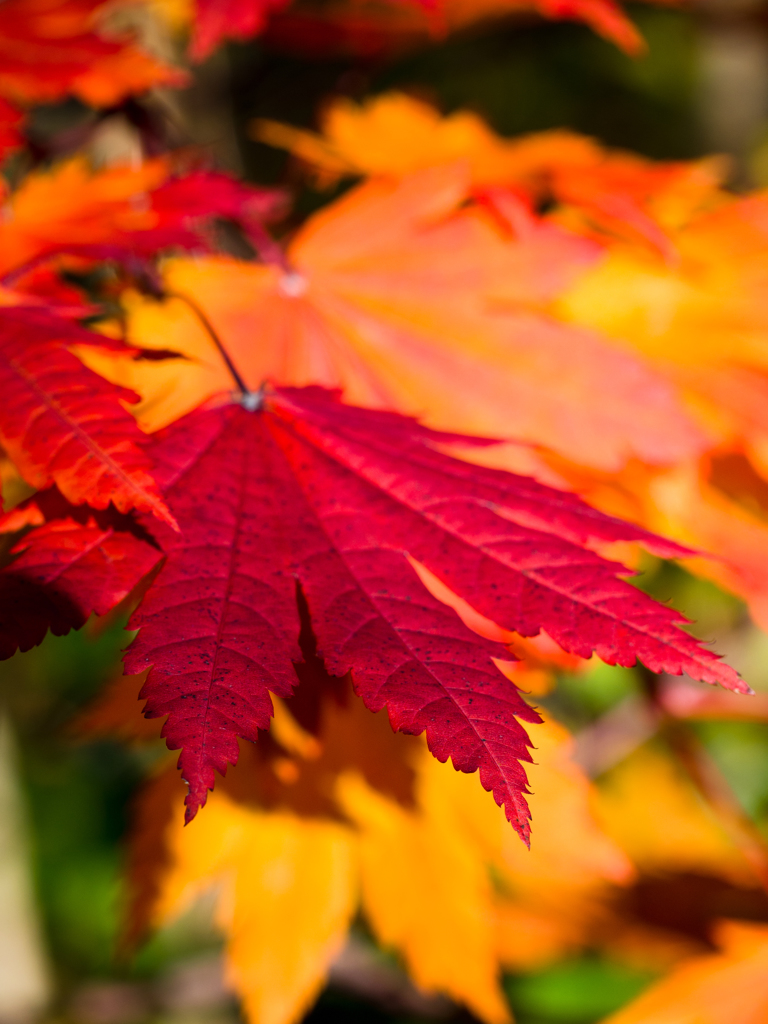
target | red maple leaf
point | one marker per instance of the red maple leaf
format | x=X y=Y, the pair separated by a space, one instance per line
x=10 y=126
x=66 y=570
x=306 y=492
x=49 y=49
x=229 y=19
x=61 y=423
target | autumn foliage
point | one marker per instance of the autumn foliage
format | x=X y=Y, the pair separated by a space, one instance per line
x=362 y=482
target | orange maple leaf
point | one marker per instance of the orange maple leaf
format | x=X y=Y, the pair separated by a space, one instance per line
x=678 y=281
x=731 y=985
x=395 y=294
x=394 y=134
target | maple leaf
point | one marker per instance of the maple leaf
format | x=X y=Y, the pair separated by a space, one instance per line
x=217 y=20
x=372 y=28
x=422 y=862
x=65 y=570
x=11 y=119
x=294 y=893
x=714 y=989
x=134 y=210
x=307 y=490
x=424 y=871
x=394 y=294
x=288 y=770
x=48 y=50
x=395 y=134
x=60 y=423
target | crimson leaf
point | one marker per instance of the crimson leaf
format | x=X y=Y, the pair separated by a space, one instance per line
x=311 y=492
x=61 y=423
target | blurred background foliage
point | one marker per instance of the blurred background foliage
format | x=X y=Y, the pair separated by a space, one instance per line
x=521 y=76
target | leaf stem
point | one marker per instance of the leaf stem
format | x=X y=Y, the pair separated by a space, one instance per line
x=214 y=336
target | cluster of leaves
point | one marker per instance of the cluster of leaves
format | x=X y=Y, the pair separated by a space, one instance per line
x=225 y=447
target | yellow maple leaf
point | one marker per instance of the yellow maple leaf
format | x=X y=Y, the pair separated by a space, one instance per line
x=287 y=893
x=420 y=885
x=444 y=865
x=652 y=810
x=431 y=872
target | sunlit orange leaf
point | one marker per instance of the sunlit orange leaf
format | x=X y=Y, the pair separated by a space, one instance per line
x=395 y=295
x=53 y=48
x=721 y=988
x=679 y=279
x=76 y=209
x=289 y=769
x=72 y=204
x=615 y=192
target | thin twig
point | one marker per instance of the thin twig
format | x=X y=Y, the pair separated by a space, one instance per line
x=712 y=785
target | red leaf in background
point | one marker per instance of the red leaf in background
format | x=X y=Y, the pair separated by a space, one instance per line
x=333 y=498
x=204 y=194
x=62 y=423
x=65 y=571
x=49 y=49
x=371 y=27
x=604 y=16
x=10 y=124
x=229 y=19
